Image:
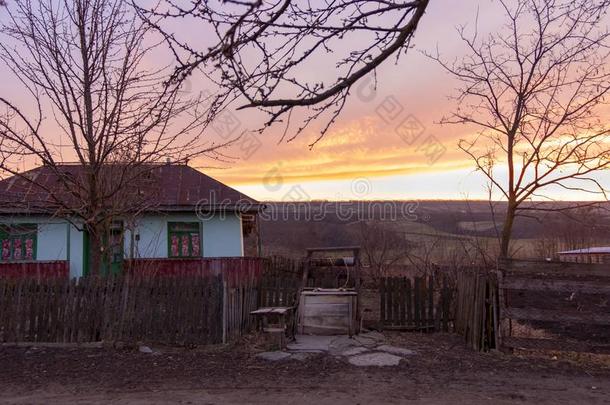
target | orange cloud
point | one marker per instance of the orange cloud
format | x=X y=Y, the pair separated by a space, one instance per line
x=364 y=147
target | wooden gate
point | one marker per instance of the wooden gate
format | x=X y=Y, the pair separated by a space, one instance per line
x=476 y=309
x=414 y=304
x=554 y=306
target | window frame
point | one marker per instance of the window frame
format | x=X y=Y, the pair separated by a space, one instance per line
x=180 y=233
x=22 y=232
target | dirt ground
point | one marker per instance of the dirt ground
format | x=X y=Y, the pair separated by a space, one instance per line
x=443 y=371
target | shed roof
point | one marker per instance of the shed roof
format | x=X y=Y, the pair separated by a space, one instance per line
x=173 y=187
x=586 y=251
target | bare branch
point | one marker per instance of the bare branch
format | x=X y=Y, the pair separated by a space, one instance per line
x=263 y=53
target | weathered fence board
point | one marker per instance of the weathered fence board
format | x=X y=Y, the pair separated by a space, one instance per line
x=545 y=284
x=405 y=305
x=476 y=310
x=278 y=291
x=551 y=344
x=533 y=267
x=567 y=301
x=35 y=269
x=535 y=314
x=234 y=270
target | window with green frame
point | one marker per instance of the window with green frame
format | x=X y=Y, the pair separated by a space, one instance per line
x=18 y=242
x=184 y=239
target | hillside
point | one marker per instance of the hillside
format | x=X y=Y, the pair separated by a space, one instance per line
x=288 y=228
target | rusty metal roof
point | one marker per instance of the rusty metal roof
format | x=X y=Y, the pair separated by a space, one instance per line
x=172 y=187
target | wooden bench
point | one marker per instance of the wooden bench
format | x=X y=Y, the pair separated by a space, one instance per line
x=277 y=320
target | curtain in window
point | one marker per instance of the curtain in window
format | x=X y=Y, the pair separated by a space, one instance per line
x=174 y=246
x=195 y=243
x=17 y=249
x=6 y=249
x=29 y=249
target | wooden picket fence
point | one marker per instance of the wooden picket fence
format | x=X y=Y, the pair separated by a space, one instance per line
x=280 y=283
x=415 y=304
x=172 y=301
x=276 y=291
x=240 y=280
x=172 y=310
x=239 y=300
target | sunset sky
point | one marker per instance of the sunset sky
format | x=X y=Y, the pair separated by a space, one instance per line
x=363 y=155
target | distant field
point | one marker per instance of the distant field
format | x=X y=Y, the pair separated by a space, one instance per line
x=477 y=226
x=439 y=229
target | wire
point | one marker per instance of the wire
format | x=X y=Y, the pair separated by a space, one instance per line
x=347 y=272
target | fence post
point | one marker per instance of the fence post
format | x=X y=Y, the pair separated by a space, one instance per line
x=494 y=286
x=430 y=321
x=445 y=305
x=225 y=308
x=382 y=295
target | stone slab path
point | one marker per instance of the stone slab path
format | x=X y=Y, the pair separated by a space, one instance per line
x=364 y=350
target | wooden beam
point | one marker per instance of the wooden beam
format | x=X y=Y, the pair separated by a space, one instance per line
x=535 y=314
x=512 y=282
x=333 y=248
x=408 y=327
x=555 y=345
x=331 y=262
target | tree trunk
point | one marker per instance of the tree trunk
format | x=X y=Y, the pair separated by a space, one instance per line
x=95 y=252
x=507 y=230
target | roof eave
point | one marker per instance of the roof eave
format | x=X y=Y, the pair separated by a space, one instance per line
x=242 y=208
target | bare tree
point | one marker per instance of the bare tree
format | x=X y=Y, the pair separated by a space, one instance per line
x=264 y=52
x=581 y=228
x=86 y=64
x=534 y=89
x=382 y=248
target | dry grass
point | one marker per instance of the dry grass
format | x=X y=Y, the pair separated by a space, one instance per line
x=527 y=331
